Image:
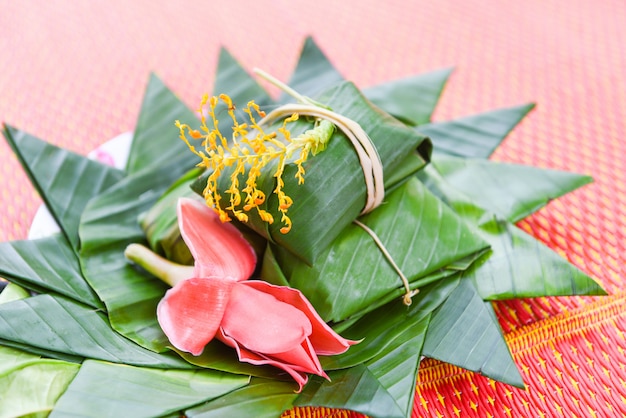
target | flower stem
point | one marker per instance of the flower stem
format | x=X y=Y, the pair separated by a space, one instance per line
x=162 y=268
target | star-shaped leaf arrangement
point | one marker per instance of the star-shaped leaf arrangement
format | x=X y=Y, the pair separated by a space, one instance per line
x=78 y=326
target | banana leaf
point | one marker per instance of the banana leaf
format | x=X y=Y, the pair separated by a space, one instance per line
x=333 y=193
x=383 y=386
x=411 y=99
x=112 y=390
x=160 y=223
x=313 y=73
x=30 y=385
x=66 y=181
x=475 y=136
x=218 y=356
x=44 y=265
x=465 y=317
x=519 y=266
x=11 y=357
x=41 y=352
x=261 y=399
x=231 y=78
x=353 y=275
x=54 y=323
x=510 y=190
x=393 y=322
x=108 y=225
x=155 y=139
x=13 y=291
x=32 y=388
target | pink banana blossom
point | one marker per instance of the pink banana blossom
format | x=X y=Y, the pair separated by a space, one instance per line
x=265 y=324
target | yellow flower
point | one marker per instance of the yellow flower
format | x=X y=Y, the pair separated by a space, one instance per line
x=248 y=152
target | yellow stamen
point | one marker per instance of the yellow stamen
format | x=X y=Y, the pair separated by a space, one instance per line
x=250 y=150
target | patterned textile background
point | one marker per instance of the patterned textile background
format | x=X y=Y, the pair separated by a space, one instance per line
x=73 y=73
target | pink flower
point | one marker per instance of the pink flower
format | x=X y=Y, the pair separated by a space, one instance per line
x=266 y=324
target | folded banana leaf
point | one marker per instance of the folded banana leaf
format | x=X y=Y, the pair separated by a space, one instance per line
x=334 y=191
x=425 y=239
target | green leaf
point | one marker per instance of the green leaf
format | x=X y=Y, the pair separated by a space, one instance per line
x=41 y=352
x=218 y=356
x=232 y=79
x=11 y=358
x=160 y=223
x=512 y=191
x=155 y=140
x=396 y=370
x=108 y=225
x=113 y=390
x=475 y=136
x=260 y=399
x=46 y=264
x=313 y=73
x=463 y=332
x=384 y=386
x=33 y=387
x=411 y=99
x=340 y=286
x=523 y=267
x=61 y=325
x=66 y=181
x=519 y=266
x=393 y=322
x=13 y=292
x=356 y=388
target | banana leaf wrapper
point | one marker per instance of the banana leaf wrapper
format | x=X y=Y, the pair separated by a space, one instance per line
x=334 y=191
x=427 y=240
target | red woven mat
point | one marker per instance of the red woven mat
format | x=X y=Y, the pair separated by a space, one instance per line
x=74 y=73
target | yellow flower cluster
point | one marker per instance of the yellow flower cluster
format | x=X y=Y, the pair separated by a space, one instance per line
x=248 y=151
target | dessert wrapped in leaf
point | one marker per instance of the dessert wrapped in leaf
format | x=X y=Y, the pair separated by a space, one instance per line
x=382 y=256
x=329 y=189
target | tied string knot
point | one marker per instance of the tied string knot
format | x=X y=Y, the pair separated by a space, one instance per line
x=407 y=299
x=368 y=156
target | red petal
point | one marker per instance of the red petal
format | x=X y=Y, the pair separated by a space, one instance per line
x=191 y=312
x=325 y=341
x=218 y=248
x=262 y=323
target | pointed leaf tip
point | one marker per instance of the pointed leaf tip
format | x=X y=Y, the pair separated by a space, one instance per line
x=410 y=99
x=475 y=136
x=314 y=71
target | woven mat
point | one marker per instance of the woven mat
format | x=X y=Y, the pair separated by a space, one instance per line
x=73 y=73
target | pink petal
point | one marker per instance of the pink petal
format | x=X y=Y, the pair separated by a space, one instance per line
x=325 y=341
x=302 y=359
x=262 y=323
x=191 y=312
x=245 y=355
x=218 y=248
